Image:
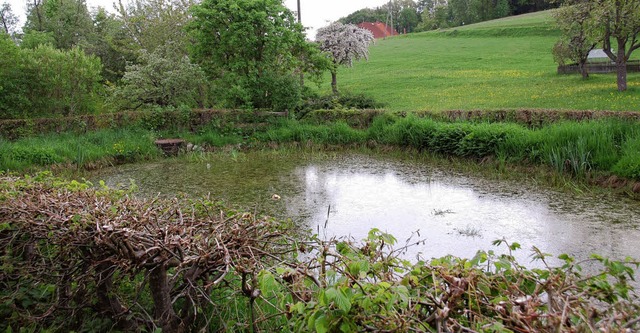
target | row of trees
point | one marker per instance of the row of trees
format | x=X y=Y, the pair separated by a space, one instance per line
x=585 y=24
x=228 y=53
x=422 y=15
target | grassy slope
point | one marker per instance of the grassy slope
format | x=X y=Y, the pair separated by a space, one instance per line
x=504 y=63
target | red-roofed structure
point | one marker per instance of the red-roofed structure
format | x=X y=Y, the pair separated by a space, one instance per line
x=378 y=29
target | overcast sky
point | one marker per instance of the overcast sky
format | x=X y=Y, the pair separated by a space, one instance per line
x=315 y=13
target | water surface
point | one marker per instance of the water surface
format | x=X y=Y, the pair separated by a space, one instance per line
x=347 y=194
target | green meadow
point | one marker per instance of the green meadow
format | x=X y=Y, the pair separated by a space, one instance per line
x=500 y=64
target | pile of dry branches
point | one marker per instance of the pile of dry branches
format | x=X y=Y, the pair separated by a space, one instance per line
x=145 y=264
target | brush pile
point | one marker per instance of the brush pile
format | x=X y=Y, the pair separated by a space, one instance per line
x=82 y=254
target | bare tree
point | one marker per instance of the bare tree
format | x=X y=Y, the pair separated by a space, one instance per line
x=345 y=43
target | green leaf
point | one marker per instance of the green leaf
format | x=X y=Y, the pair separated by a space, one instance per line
x=339 y=298
x=322 y=324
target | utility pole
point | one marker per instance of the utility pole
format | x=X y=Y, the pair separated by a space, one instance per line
x=300 y=22
x=389 y=19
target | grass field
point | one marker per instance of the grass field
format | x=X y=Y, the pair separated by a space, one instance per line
x=499 y=64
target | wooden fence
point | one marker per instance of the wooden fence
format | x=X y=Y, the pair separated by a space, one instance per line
x=599 y=67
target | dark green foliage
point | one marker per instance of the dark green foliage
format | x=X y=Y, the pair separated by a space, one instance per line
x=315 y=102
x=16 y=76
x=261 y=73
x=629 y=164
x=279 y=92
x=485 y=139
x=46 y=82
x=68 y=22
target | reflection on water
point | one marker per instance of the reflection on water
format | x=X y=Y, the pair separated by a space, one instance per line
x=352 y=193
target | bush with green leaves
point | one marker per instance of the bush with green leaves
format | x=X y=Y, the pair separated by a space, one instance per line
x=164 y=77
x=348 y=286
x=262 y=73
x=46 y=82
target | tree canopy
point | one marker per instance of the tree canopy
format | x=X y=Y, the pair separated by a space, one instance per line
x=613 y=23
x=8 y=19
x=68 y=22
x=244 y=44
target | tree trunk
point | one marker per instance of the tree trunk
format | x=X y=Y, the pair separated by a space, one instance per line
x=334 y=82
x=163 y=312
x=582 y=67
x=107 y=302
x=621 y=66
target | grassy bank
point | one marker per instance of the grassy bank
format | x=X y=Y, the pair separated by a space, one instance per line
x=498 y=64
x=89 y=150
x=599 y=146
x=582 y=149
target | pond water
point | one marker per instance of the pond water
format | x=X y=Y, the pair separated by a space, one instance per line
x=347 y=194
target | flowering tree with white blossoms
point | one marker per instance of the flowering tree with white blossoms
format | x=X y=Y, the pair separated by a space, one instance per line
x=345 y=43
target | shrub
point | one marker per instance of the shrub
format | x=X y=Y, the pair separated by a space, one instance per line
x=447 y=137
x=77 y=258
x=629 y=164
x=342 y=101
x=485 y=139
x=34 y=155
x=164 y=77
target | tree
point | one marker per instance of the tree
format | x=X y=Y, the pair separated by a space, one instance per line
x=400 y=20
x=461 y=12
x=163 y=77
x=365 y=15
x=435 y=14
x=66 y=81
x=149 y=24
x=8 y=19
x=244 y=45
x=618 y=21
x=501 y=9
x=67 y=21
x=574 y=21
x=112 y=45
x=46 y=81
x=344 y=43
x=408 y=20
x=16 y=79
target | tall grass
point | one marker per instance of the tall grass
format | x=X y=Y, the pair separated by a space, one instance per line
x=290 y=130
x=575 y=148
x=118 y=146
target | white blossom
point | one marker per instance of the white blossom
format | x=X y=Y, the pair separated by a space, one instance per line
x=345 y=42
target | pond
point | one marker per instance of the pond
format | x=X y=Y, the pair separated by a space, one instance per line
x=348 y=193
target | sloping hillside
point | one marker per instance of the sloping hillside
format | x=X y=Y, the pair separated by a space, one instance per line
x=505 y=63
